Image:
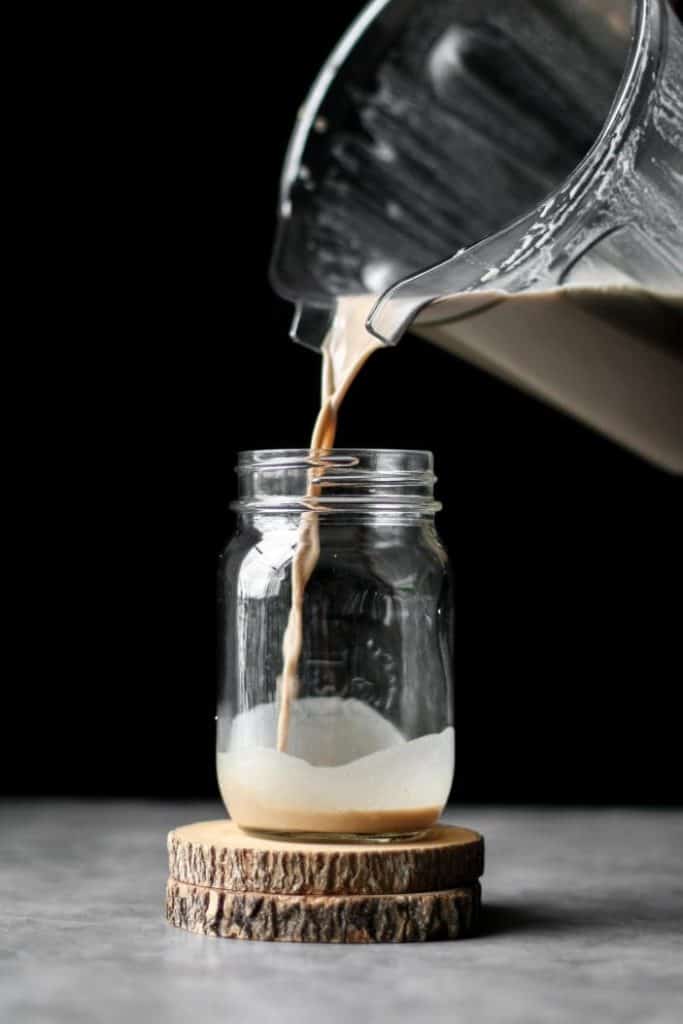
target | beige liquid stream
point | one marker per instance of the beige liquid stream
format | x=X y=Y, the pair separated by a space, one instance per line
x=347 y=347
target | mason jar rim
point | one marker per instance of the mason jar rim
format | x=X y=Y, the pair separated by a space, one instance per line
x=309 y=456
x=361 y=480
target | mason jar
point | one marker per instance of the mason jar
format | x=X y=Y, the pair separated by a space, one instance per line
x=367 y=751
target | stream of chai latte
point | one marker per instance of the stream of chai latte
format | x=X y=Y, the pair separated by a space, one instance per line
x=346 y=349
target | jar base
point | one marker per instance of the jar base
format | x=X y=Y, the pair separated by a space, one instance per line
x=365 y=838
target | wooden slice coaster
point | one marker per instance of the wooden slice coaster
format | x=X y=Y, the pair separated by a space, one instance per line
x=408 y=917
x=218 y=855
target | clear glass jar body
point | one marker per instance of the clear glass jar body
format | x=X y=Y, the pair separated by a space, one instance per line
x=370 y=748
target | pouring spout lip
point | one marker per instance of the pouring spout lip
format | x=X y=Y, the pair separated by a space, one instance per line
x=393 y=336
x=310 y=323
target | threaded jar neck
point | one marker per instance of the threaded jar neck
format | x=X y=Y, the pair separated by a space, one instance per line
x=339 y=480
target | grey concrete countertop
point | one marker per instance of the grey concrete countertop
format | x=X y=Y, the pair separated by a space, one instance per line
x=583 y=922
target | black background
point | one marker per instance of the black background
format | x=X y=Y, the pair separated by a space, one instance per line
x=156 y=221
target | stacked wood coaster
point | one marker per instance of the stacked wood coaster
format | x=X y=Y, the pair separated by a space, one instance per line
x=226 y=883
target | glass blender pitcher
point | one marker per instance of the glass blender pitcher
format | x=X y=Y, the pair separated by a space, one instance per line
x=507 y=181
